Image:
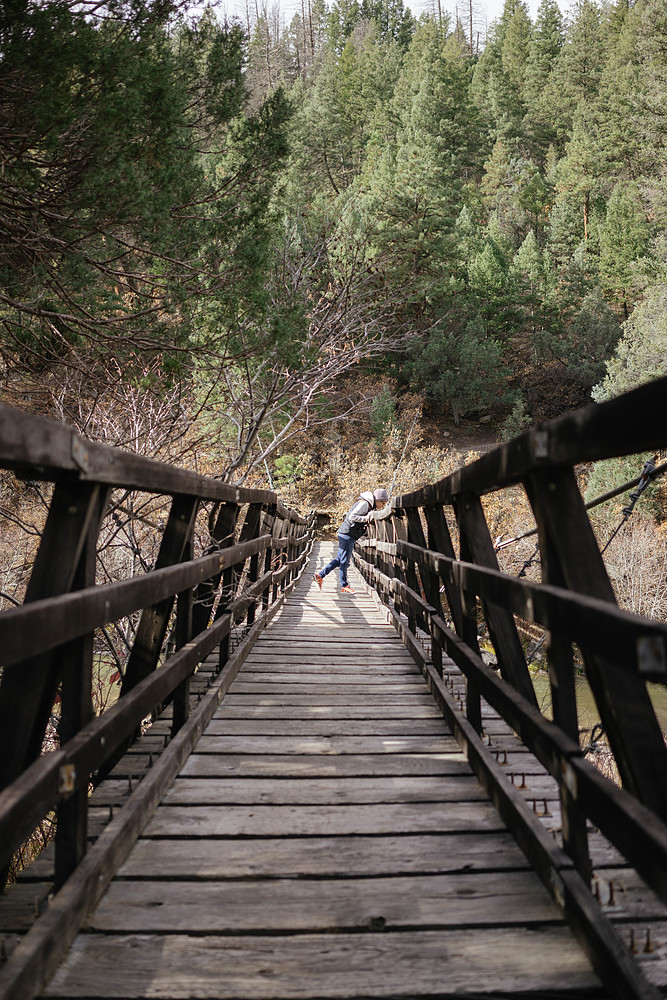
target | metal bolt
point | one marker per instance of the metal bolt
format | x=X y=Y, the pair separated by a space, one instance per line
x=633 y=946
x=110 y=812
x=523 y=782
x=611 y=901
x=129 y=782
x=648 y=947
x=596 y=889
x=546 y=808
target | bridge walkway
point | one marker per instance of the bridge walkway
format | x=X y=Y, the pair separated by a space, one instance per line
x=327 y=839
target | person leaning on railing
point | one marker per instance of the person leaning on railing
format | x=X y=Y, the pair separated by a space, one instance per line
x=352 y=528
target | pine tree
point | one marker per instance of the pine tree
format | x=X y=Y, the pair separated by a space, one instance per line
x=623 y=243
x=545 y=47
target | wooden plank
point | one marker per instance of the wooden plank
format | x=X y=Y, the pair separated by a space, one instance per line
x=504 y=962
x=277 y=665
x=391 y=854
x=318 y=821
x=328 y=765
x=329 y=791
x=269 y=680
x=326 y=727
x=260 y=710
x=278 y=905
x=327 y=745
x=333 y=701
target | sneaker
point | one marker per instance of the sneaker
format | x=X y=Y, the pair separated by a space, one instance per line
x=318 y=580
x=347 y=590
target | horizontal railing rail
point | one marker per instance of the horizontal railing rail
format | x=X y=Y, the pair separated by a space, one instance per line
x=453 y=594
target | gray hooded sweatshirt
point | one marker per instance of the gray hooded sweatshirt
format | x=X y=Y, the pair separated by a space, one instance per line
x=358 y=516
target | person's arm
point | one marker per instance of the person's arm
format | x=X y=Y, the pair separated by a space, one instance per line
x=360 y=513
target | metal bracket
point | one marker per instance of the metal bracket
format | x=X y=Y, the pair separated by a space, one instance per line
x=569 y=778
x=66 y=779
x=651 y=657
x=557 y=888
x=539 y=443
x=80 y=454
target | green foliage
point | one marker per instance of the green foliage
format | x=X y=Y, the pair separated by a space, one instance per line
x=517 y=421
x=641 y=354
x=288 y=469
x=609 y=475
x=464 y=373
x=586 y=343
x=382 y=414
x=245 y=218
x=115 y=221
x=623 y=244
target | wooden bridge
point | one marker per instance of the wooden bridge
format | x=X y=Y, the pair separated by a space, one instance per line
x=348 y=803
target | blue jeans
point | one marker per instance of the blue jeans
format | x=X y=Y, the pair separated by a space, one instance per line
x=342 y=558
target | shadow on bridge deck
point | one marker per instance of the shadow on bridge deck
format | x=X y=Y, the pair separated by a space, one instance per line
x=327 y=838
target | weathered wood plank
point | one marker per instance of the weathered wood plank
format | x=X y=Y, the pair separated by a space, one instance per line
x=327 y=745
x=208 y=858
x=323 y=766
x=326 y=727
x=392 y=699
x=501 y=963
x=403 y=682
x=260 y=710
x=482 y=899
x=325 y=791
x=319 y=821
x=285 y=662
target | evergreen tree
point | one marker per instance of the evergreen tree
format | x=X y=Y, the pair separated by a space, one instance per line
x=515 y=45
x=102 y=253
x=641 y=354
x=545 y=47
x=623 y=243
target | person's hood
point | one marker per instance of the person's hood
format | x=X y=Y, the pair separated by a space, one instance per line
x=368 y=497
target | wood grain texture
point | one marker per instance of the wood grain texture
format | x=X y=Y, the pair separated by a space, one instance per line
x=507 y=962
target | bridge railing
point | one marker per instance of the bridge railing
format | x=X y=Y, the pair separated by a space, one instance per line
x=429 y=587
x=254 y=551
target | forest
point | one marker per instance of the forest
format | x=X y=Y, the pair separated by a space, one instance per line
x=255 y=228
x=307 y=251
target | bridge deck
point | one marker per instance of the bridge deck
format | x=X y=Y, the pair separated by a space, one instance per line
x=326 y=839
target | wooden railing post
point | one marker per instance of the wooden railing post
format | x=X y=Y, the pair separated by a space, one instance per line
x=440 y=540
x=231 y=579
x=269 y=556
x=76 y=709
x=183 y=632
x=222 y=537
x=28 y=690
x=430 y=581
x=477 y=547
x=154 y=620
x=622 y=699
x=407 y=565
